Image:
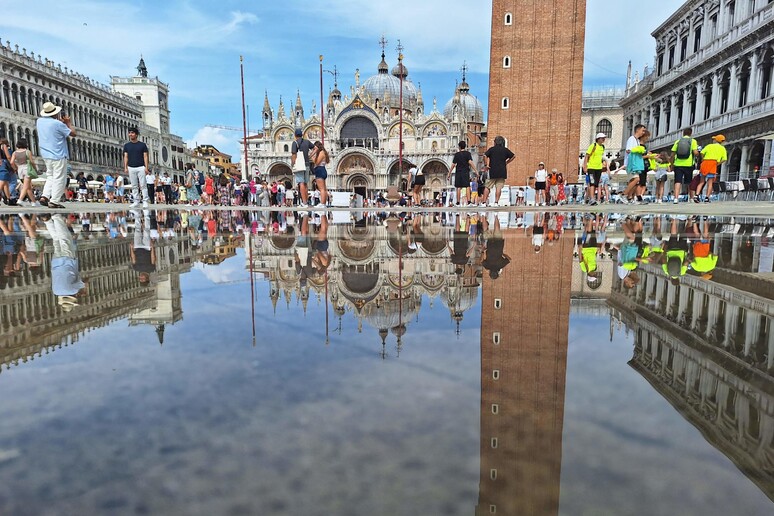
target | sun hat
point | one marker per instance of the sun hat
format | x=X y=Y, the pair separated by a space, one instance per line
x=541 y=163
x=67 y=302
x=50 y=109
x=719 y=138
x=600 y=135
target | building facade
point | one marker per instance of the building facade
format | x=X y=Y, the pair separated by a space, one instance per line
x=601 y=113
x=101 y=114
x=363 y=133
x=217 y=162
x=713 y=72
x=536 y=82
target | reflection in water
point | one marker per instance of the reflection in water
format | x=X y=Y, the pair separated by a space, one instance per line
x=66 y=278
x=695 y=293
x=702 y=325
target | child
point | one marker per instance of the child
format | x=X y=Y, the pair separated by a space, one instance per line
x=663 y=166
x=83 y=187
x=474 y=190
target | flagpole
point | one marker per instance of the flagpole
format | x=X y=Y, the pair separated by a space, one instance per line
x=400 y=123
x=244 y=116
x=322 y=107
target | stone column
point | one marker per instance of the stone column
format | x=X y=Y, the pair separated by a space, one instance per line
x=699 y=102
x=674 y=123
x=662 y=126
x=686 y=121
x=752 y=326
x=744 y=168
x=733 y=87
x=715 y=101
x=752 y=82
x=767 y=148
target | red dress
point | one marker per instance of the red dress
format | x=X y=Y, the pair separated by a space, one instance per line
x=209 y=189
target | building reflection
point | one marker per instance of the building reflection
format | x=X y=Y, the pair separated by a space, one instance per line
x=378 y=271
x=707 y=347
x=34 y=322
x=524 y=334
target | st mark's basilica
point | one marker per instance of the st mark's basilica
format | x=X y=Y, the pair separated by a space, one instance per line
x=362 y=133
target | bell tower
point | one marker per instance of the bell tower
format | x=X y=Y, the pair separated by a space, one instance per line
x=536 y=83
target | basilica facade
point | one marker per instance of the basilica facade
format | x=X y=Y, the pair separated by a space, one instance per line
x=362 y=132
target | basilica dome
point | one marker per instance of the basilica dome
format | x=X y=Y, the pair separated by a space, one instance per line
x=385 y=85
x=467 y=104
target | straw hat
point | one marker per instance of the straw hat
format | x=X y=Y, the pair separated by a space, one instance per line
x=50 y=109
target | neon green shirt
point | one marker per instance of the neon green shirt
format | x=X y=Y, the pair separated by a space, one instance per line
x=687 y=162
x=596 y=154
x=705 y=264
x=588 y=259
x=715 y=152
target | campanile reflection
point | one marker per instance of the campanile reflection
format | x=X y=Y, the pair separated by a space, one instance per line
x=524 y=333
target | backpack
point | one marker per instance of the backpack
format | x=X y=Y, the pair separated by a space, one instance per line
x=684 y=148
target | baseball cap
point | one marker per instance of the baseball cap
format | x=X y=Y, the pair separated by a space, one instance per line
x=299 y=132
x=541 y=163
x=600 y=135
x=719 y=138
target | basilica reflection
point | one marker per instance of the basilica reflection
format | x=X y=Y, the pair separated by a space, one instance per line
x=704 y=341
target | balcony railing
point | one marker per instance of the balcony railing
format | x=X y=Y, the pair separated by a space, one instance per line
x=748 y=113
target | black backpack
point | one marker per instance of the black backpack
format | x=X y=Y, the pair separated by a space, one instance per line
x=684 y=148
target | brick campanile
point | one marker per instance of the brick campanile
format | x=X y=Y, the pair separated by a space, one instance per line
x=536 y=83
x=525 y=316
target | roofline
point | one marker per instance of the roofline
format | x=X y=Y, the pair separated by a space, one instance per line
x=676 y=16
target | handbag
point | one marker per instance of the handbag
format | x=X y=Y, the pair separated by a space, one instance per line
x=32 y=172
x=300 y=164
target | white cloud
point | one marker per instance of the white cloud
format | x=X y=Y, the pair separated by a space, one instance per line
x=225 y=140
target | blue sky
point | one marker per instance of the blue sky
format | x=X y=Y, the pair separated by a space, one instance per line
x=195 y=45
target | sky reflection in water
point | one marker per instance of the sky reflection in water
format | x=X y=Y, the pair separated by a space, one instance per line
x=437 y=365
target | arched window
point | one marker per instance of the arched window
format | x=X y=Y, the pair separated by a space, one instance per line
x=604 y=126
x=507 y=62
x=505 y=103
x=508 y=19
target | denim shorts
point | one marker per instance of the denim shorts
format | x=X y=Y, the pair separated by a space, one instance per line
x=320 y=172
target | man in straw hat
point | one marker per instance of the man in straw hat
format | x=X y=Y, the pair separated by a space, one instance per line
x=53 y=130
x=712 y=155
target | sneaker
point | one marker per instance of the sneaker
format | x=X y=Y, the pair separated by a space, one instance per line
x=706 y=199
x=43 y=201
x=303 y=206
x=134 y=205
x=675 y=200
x=52 y=204
x=696 y=199
x=145 y=205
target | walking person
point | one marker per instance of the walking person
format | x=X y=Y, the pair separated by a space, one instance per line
x=136 y=167
x=540 y=184
x=190 y=184
x=53 y=129
x=321 y=158
x=120 y=188
x=712 y=156
x=301 y=168
x=496 y=160
x=7 y=172
x=463 y=164
x=150 y=183
x=684 y=154
x=417 y=182
x=24 y=162
x=593 y=164
x=166 y=183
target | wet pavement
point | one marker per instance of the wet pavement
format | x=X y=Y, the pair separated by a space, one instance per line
x=516 y=362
